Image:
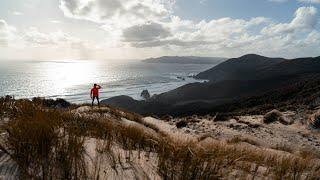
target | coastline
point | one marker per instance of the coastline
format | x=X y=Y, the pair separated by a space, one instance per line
x=131 y=91
x=121 y=79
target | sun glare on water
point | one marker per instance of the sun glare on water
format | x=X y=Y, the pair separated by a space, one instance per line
x=68 y=74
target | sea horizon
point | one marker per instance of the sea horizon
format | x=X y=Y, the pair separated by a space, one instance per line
x=72 y=79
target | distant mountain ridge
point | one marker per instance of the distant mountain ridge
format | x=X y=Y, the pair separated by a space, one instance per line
x=235 y=79
x=185 y=60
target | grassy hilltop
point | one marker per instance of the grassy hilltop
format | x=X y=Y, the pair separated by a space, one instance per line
x=80 y=142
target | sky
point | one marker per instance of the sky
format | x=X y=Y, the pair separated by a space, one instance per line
x=137 y=29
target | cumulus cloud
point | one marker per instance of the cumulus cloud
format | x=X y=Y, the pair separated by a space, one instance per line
x=171 y=42
x=145 y=32
x=305 y=19
x=185 y=33
x=231 y=36
x=313 y=38
x=151 y=25
x=59 y=38
x=117 y=13
x=32 y=40
x=238 y=36
x=6 y=33
x=56 y=42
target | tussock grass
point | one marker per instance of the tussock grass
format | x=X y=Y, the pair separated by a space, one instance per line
x=309 y=153
x=40 y=143
x=191 y=160
x=119 y=113
x=188 y=161
x=239 y=139
x=49 y=144
x=283 y=147
x=314 y=119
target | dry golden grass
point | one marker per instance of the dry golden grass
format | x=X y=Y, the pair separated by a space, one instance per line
x=49 y=144
x=40 y=143
x=283 y=147
x=125 y=114
x=238 y=139
x=314 y=119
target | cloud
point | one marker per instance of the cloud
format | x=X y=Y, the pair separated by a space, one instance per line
x=172 y=42
x=279 y=1
x=227 y=36
x=313 y=38
x=150 y=23
x=203 y=1
x=305 y=19
x=7 y=33
x=145 y=32
x=118 y=13
x=309 y=1
x=17 y=13
x=55 y=21
x=185 y=33
x=145 y=26
x=32 y=41
x=59 y=38
x=303 y=1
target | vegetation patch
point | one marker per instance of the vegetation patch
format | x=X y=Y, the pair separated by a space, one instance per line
x=315 y=120
x=238 y=139
x=49 y=143
x=181 y=124
x=273 y=116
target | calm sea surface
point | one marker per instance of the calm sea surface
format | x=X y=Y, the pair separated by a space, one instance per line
x=72 y=80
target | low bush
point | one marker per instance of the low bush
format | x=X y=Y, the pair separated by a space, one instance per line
x=181 y=124
x=50 y=103
x=272 y=116
x=314 y=120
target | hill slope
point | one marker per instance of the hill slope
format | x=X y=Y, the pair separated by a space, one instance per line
x=243 y=68
x=260 y=76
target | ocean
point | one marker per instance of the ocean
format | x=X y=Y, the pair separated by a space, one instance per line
x=73 y=79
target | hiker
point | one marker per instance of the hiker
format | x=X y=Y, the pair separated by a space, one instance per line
x=94 y=94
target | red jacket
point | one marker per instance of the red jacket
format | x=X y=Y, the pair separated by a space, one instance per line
x=95 y=91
